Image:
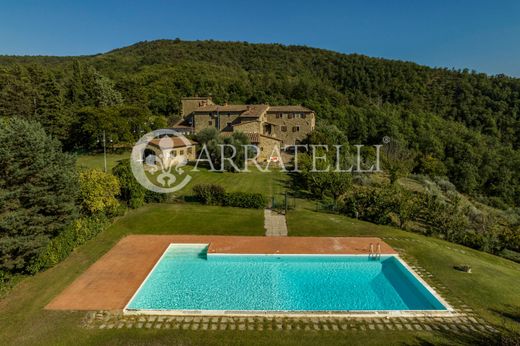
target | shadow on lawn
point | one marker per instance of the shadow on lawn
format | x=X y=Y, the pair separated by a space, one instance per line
x=503 y=338
x=510 y=312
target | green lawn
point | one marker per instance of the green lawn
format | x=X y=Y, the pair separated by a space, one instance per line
x=189 y=218
x=495 y=284
x=22 y=318
x=96 y=161
x=268 y=184
x=493 y=289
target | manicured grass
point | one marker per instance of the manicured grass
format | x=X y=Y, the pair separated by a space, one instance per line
x=494 y=285
x=96 y=161
x=189 y=218
x=493 y=288
x=22 y=318
x=268 y=184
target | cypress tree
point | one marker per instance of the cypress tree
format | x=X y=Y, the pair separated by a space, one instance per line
x=38 y=190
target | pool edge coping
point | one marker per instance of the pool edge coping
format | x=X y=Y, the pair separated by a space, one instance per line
x=449 y=312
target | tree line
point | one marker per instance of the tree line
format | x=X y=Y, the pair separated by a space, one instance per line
x=458 y=123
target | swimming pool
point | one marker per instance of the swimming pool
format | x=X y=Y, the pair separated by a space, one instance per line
x=187 y=278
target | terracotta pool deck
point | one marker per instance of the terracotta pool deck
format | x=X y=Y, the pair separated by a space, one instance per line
x=111 y=282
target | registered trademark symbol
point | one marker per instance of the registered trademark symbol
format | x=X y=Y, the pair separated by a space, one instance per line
x=386 y=139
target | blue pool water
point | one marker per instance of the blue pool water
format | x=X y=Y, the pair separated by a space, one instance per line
x=187 y=279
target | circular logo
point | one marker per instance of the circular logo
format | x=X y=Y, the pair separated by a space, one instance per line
x=157 y=160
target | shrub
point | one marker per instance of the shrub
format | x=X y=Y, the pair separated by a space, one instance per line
x=155 y=197
x=131 y=191
x=77 y=233
x=214 y=194
x=466 y=268
x=6 y=282
x=98 y=191
x=370 y=204
x=210 y=194
x=244 y=200
x=445 y=185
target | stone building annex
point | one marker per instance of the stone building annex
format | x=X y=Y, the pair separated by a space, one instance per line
x=266 y=126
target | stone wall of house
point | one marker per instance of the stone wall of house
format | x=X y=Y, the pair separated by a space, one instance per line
x=189 y=152
x=248 y=126
x=205 y=120
x=291 y=128
x=266 y=146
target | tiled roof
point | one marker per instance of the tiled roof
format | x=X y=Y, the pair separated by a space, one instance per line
x=255 y=110
x=266 y=136
x=217 y=108
x=281 y=109
x=254 y=137
x=202 y=98
x=251 y=110
x=171 y=142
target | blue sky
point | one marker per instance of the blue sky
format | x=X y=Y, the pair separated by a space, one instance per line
x=480 y=35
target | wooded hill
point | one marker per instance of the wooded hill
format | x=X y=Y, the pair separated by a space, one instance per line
x=461 y=124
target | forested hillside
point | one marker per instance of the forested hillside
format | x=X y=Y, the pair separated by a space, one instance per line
x=460 y=124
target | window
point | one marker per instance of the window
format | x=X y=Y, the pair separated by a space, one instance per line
x=173 y=153
x=290 y=115
x=279 y=115
x=210 y=123
x=304 y=115
x=284 y=128
x=296 y=129
x=190 y=150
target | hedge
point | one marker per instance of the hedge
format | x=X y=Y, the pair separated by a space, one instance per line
x=244 y=200
x=210 y=194
x=58 y=248
x=214 y=194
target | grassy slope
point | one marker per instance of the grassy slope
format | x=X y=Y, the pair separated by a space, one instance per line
x=96 y=161
x=253 y=181
x=493 y=289
x=494 y=285
x=23 y=320
x=21 y=310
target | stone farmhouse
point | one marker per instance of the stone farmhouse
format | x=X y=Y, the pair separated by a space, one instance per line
x=173 y=148
x=266 y=126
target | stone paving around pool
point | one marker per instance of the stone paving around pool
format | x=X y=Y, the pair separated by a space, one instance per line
x=465 y=320
x=116 y=320
x=274 y=223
